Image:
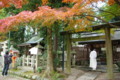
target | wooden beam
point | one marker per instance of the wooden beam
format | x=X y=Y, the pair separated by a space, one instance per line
x=88 y=38
x=109 y=55
x=96 y=27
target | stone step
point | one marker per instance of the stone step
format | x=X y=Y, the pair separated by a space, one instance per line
x=89 y=76
x=71 y=78
x=74 y=74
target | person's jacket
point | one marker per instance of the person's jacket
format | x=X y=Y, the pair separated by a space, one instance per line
x=6 y=59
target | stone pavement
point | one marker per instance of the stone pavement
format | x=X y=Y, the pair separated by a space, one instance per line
x=89 y=76
x=103 y=76
x=75 y=73
x=82 y=75
x=11 y=77
x=78 y=74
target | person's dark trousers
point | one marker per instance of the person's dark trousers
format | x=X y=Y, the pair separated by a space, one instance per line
x=5 y=69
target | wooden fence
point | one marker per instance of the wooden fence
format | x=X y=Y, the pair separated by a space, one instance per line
x=34 y=61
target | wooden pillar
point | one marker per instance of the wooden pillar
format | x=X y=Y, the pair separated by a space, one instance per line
x=37 y=61
x=68 y=51
x=109 y=54
x=34 y=64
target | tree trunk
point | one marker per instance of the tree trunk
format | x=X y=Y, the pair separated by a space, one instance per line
x=55 y=50
x=49 y=69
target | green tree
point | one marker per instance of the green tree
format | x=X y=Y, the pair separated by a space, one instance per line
x=110 y=13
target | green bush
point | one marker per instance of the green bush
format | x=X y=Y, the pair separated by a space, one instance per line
x=39 y=69
x=56 y=76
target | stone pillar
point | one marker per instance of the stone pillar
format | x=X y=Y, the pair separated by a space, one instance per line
x=23 y=60
x=73 y=61
x=4 y=47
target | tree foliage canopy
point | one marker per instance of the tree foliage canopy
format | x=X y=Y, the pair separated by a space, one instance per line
x=110 y=12
x=80 y=14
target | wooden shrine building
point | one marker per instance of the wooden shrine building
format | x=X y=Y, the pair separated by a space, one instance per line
x=108 y=44
x=82 y=55
x=32 y=58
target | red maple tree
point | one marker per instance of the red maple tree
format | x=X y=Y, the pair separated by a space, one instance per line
x=48 y=15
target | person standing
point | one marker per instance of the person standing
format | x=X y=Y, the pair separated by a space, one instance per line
x=6 y=64
x=93 y=61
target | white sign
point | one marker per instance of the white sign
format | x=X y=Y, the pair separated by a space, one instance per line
x=34 y=50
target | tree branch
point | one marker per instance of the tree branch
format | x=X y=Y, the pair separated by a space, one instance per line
x=103 y=10
x=102 y=20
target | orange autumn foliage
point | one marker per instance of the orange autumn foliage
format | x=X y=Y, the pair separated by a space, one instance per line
x=19 y=3
x=90 y=1
x=44 y=2
x=47 y=15
x=8 y=3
